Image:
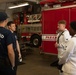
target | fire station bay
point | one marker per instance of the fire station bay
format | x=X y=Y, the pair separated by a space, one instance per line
x=44 y=36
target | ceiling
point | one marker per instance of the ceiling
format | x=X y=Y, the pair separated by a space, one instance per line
x=3 y=1
x=37 y=1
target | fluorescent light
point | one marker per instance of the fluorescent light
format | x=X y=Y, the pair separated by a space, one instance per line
x=17 y=6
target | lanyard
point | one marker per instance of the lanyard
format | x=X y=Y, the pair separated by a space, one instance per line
x=59 y=37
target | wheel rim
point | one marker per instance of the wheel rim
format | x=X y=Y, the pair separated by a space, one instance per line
x=35 y=42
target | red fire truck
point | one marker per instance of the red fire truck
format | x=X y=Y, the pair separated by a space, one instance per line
x=50 y=18
x=31 y=30
x=44 y=33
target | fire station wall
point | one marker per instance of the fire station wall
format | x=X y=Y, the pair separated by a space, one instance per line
x=4 y=7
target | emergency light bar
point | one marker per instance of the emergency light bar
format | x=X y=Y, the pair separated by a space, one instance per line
x=17 y=6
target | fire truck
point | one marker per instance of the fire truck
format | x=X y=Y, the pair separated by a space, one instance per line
x=50 y=18
x=42 y=33
x=31 y=29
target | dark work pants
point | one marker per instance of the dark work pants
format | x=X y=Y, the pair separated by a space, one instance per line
x=5 y=66
x=16 y=61
x=6 y=69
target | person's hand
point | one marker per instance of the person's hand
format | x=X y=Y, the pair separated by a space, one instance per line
x=20 y=55
x=13 y=68
x=56 y=44
x=20 y=58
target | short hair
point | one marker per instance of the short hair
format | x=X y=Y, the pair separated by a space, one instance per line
x=73 y=25
x=62 y=22
x=9 y=23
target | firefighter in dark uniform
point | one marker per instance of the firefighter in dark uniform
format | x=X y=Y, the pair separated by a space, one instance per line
x=15 y=51
x=7 y=48
x=12 y=27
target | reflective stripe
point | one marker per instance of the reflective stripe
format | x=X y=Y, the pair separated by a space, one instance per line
x=49 y=37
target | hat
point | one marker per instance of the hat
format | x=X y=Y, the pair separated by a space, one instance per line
x=73 y=25
x=3 y=16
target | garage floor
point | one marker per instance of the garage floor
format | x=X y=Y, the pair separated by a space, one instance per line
x=36 y=64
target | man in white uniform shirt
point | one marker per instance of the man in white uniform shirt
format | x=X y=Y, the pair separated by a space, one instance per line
x=68 y=58
x=63 y=37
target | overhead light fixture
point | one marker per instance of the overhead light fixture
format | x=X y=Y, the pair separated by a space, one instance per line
x=17 y=6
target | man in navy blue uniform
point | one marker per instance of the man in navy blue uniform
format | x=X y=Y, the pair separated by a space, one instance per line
x=12 y=27
x=7 y=48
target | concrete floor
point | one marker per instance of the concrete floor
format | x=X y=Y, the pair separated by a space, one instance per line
x=36 y=64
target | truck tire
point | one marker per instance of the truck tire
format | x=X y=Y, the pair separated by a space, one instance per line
x=36 y=40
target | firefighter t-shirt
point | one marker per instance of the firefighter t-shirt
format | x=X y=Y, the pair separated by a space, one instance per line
x=5 y=40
